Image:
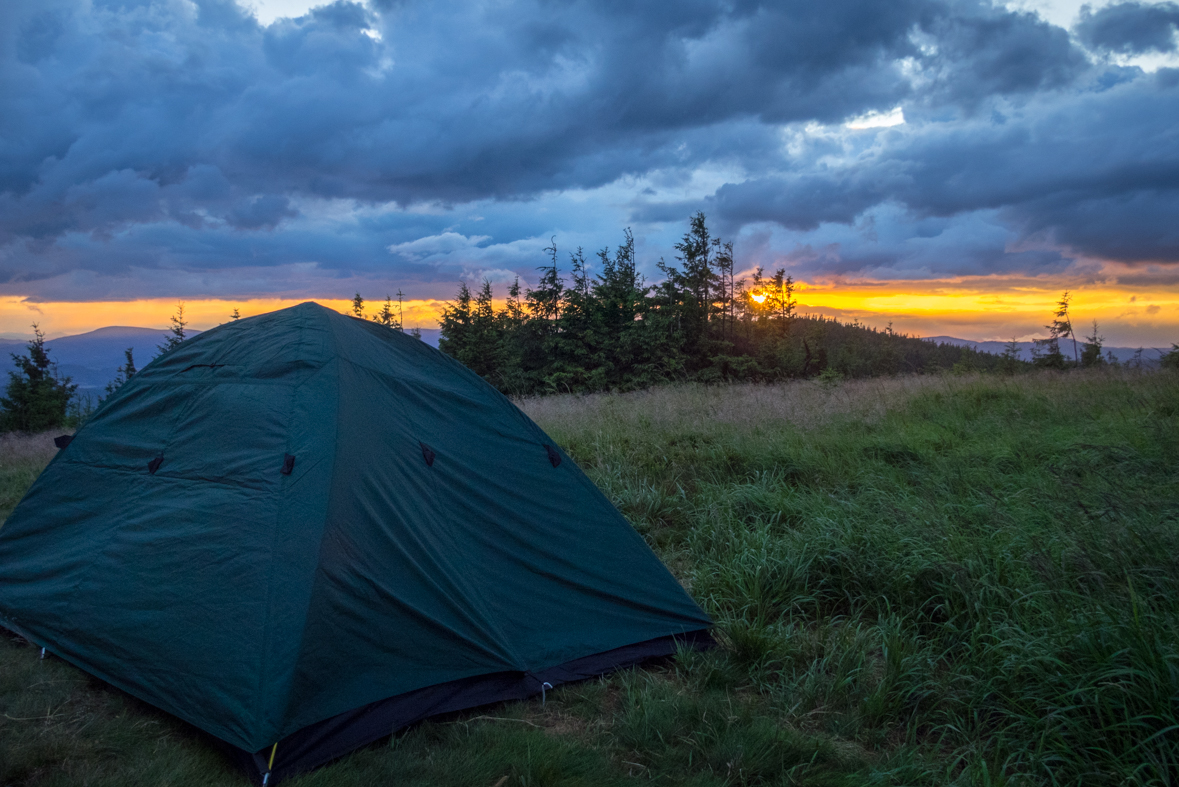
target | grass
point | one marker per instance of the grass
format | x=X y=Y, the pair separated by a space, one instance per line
x=924 y=580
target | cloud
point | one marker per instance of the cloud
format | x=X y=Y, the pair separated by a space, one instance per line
x=434 y=246
x=1094 y=172
x=261 y=212
x=1129 y=28
x=471 y=258
x=183 y=136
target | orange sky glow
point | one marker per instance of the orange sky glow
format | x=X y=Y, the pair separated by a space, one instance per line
x=980 y=309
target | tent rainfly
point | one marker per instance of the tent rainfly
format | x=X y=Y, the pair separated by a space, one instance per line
x=302 y=531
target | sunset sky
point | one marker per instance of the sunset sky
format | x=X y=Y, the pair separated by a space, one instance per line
x=949 y=167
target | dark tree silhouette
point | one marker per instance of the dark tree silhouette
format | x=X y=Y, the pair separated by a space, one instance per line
x=175 y=335
x=36 y=397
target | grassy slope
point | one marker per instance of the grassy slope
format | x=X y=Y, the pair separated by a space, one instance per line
x=917 y=580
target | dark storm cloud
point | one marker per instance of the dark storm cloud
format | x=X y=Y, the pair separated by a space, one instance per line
x=1130 y=28
x=1096 y=171
x=983 y=52
x=186 y=134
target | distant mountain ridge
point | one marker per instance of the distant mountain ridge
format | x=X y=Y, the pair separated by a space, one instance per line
x=92 y=359
x=1150 y=355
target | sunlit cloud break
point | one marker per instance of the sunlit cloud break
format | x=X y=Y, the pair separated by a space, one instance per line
x=894 y=117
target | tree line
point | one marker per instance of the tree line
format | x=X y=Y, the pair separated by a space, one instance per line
x=613 y=330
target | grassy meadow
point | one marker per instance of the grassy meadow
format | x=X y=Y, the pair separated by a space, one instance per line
x=916 y=580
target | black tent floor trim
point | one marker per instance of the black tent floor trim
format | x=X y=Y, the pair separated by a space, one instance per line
x=330 y=739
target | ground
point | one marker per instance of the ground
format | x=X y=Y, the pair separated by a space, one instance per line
x=919 y=580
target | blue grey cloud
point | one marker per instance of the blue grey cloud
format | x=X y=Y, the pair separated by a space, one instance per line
x=185 y=136
x=1130 y=28
x=1095 y=170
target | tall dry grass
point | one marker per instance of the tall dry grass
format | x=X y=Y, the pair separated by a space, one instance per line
x=22 y=458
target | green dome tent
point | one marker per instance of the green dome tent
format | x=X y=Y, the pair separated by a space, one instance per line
x=301 y=531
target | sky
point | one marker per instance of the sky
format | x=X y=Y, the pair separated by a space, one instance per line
x=946 y=166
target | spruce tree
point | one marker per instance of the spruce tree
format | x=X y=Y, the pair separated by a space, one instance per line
x=780 y=297
x=385 y=315
x=544 y=302
x=483 y=337
x=175 y=335
x=1046 y=352
x=36 y=397
x=1091 y=349
x=1170 y=360
x=122 y=373
x=509 y=325
x=455 y=338
x=358 y=306
x=1062 y=324
x=1009 y=360
x=695 y=286
x=724 y=266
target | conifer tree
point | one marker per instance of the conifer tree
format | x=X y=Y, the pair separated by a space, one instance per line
x=513 y=307
x=1010 y=357
x=544 y=302
x=698 y=276
x=236 y=314
x=175 y=335
x=385 y=315
x=1170 y=360
x=122 y=373
x=698 y=282
x=1091 y=349
x=780 y=297
x=483 y=342
x=1062 y=324
x=455 y=339
x=358 y=307
x=36 y=397
x=1046 y=352
x=627 y=342
x=724 y=266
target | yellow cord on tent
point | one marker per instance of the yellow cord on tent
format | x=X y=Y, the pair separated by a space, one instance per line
x=273 y=749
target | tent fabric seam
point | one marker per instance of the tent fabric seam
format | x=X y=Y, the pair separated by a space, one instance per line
x=279 y=503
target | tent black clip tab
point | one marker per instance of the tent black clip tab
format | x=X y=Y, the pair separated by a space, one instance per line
x=288 y=464
x=554 y=457
x=154 y=464
x=427 y=454
x=63 y=440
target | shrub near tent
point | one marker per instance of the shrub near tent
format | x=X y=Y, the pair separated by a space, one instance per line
x=301 y=531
